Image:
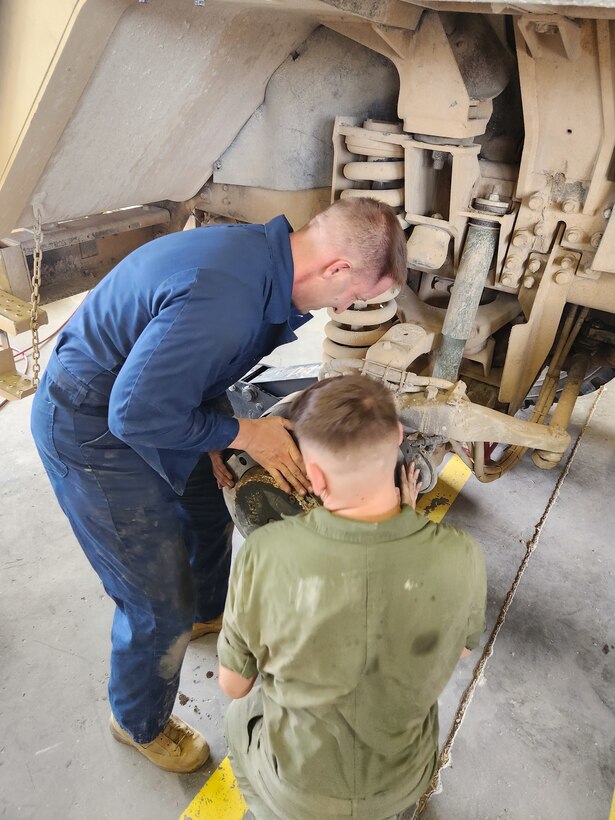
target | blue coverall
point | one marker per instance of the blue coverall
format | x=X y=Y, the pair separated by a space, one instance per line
x=125 y=414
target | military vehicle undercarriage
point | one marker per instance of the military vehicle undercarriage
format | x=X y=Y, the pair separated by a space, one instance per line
x=489 y=128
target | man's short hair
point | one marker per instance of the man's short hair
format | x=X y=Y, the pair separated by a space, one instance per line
x=345 y=414
x=372 y=230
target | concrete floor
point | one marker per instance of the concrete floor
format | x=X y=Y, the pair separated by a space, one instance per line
x=538 y=739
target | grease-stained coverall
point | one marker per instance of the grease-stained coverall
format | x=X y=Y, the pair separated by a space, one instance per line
x=126 y=412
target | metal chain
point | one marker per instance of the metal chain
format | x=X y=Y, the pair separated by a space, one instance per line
x=444 y=757
x=37 y=261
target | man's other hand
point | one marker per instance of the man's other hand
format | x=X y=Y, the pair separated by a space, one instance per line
x=269 y=443
x=222 y=474
x=410 y=484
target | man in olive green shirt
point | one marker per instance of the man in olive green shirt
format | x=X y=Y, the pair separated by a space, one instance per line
x=354 y=615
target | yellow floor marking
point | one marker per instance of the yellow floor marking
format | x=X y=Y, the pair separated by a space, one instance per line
x=220 y=799
x=436 y=503
x=612 y=814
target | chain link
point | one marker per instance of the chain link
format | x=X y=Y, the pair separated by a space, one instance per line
x=37 y=261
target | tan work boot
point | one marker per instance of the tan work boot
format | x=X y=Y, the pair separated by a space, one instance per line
x=178 y=748
x=206 y=628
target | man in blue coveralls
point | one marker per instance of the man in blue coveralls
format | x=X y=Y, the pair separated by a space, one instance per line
x=129 y=421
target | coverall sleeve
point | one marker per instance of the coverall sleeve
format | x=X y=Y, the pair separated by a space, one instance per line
x=188 y=346
x=233 y=650
x=478 y=603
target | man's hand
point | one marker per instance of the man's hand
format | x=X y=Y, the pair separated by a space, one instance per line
x=268 y=441
x=222 y=474
x=410 y=485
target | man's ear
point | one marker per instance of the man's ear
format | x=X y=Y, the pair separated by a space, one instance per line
x=317 y=478
x=336 y=267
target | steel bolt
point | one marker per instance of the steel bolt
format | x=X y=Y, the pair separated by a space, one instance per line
x=540 y=229
x=534 y=265
x=521 y=239
x=567 y=261
x=259 y=406
x=249 y=393
x=535 y=202
x=218 y=165
x=439 y=158
x=607 y=213
x=570 y=206
x=574 y=235
x=509 y=280
x=512 y=262
x=563 y=277
x=595 y=240
x=529 y=282
x=494 y=197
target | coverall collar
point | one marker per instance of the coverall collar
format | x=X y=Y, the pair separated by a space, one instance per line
x=349 y=530
x=279 y=308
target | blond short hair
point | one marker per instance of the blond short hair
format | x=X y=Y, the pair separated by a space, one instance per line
x=372 y=231
x=345 y=414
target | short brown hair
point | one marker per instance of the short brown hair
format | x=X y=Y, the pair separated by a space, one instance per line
x=344 y=413
x=372 y=230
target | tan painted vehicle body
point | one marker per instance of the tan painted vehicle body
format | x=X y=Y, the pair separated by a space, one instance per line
x=489 y=127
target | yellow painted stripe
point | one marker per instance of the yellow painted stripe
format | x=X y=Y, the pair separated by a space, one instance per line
x=220 y=798
x=612 y=814
x=436 y=503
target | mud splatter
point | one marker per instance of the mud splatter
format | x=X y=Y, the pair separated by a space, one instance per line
x=183 y=699
x=438 y=501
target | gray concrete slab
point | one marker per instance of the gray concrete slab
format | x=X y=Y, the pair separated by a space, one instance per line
x=537 y=741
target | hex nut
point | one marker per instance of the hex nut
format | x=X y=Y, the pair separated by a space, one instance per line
x=512 y=262
x=570 y=206
x=534 y=265
x=249 y=393
x=574 y=235
x=535 y=202
x=595 y=240
x=521 y=239
x=540 y=229
x=529 y=282
x=567 y=262
x=563 y=277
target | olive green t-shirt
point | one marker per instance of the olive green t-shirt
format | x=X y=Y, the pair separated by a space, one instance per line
x=355 y=629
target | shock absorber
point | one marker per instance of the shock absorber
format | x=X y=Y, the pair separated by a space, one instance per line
x=350 y=334
x=381 y=174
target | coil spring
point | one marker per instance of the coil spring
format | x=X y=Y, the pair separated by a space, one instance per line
x=381 y=174
x=350 y=334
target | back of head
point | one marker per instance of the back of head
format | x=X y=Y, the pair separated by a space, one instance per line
x=346 y=416
x=371 y=231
